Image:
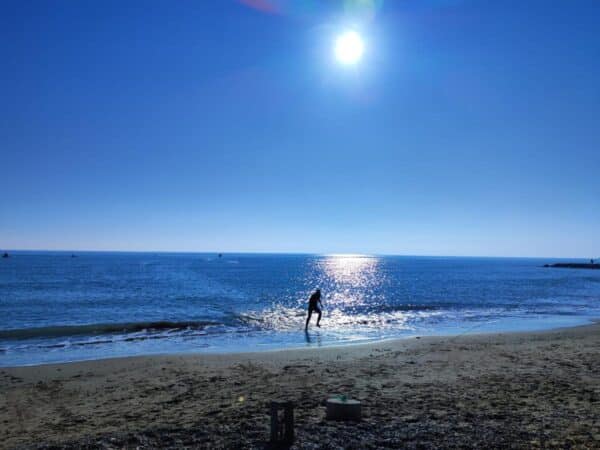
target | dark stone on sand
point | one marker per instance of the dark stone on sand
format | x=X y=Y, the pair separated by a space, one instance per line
x=574 y=265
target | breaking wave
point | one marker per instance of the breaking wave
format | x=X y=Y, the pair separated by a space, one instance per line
x=103 y=329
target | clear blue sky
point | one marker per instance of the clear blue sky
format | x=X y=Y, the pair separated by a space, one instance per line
x=469 y=128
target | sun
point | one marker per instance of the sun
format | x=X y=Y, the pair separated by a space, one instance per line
x=349 y=47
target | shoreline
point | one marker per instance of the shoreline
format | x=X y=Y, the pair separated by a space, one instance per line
x=356 y=349
x=480 y=330
x=535 y=389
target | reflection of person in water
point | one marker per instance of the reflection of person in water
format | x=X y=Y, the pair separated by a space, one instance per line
x=313 y=305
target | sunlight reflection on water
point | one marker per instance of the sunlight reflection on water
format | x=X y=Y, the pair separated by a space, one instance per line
x=349 y=279
x=351 y=286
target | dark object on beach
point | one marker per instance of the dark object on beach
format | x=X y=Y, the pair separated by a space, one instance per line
x=342 y=408
x=574 y=265
x=5 y=255
x=282 y=425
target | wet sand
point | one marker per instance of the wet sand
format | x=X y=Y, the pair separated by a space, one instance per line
x=517 y=390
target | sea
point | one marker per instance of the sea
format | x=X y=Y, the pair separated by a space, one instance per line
x=64 y=306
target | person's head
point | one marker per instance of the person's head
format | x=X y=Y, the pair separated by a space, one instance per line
x=318 y=291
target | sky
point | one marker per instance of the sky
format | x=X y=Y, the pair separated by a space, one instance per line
x=468 y=127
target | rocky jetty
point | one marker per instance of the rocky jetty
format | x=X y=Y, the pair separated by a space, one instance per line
x=574 y=265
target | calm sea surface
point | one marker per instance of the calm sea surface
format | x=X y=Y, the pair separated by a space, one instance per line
x=55 y=307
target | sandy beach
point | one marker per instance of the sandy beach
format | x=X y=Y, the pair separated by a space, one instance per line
x=518 y=390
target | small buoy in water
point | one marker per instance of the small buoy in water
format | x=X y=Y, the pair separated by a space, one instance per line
x=5 y=255
x=341 y=408
x=220 y=255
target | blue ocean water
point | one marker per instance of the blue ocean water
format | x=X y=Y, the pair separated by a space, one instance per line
x=55 y=307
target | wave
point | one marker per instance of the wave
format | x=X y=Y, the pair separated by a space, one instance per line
x=102 y=328
x=283 y=318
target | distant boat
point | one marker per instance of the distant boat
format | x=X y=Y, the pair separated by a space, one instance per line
x=5 y=255
x=73 y=256
x=220 y=255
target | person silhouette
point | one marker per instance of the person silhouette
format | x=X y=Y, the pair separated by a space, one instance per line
x=313 y=305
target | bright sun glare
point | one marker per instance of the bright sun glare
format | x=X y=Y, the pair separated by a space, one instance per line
x=349 y=47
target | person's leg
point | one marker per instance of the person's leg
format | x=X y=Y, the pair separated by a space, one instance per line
x=318 y=318
x=308 y=318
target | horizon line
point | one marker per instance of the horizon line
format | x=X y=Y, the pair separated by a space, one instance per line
x=204 y=252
